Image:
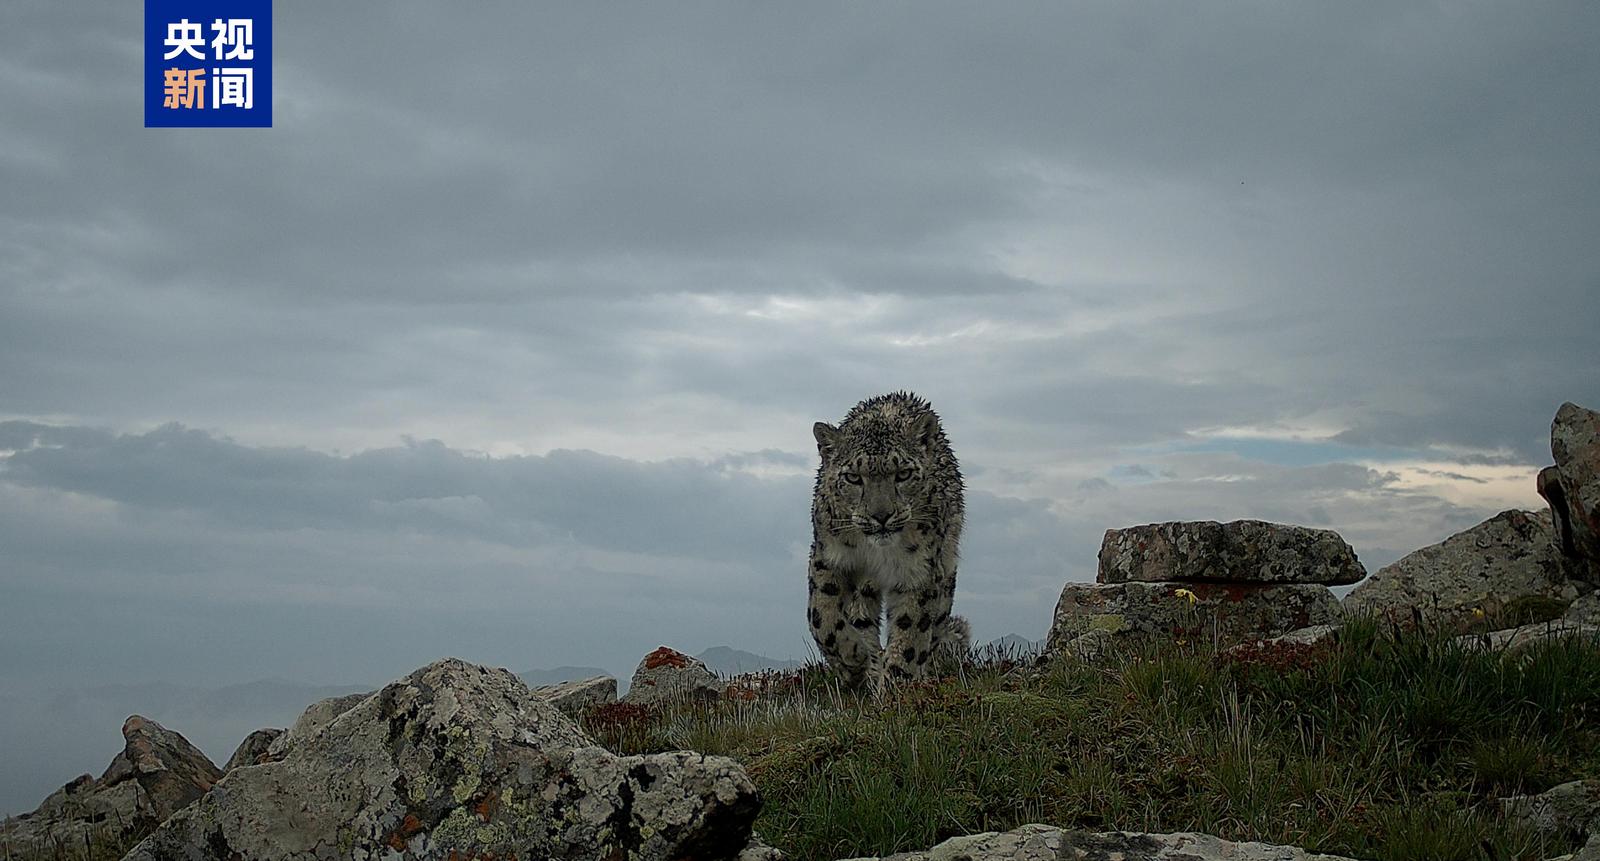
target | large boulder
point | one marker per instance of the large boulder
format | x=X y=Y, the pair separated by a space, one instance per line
x=1240 y=551
x=1504 y=571
x=458 y=760
x=1572 y=487
x=668 y=675
x=157 y=773
x=1232 y=612
x=1048 y=843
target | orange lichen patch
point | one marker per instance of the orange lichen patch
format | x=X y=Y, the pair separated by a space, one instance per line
x=666 y=657
x=409 y=827
x=487 y=805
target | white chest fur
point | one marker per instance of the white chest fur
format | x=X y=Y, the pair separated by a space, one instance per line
x=889 y=565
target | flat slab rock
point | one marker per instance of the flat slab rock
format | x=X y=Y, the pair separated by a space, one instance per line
x=1240 y=551
x=1514 y=641
x=1047 y=843
x=1507 y=560
x=1232 y=612
x=1563 y=812
x=458 y=760
x=573 y=698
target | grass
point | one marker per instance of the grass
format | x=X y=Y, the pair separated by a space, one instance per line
x=1387 y=744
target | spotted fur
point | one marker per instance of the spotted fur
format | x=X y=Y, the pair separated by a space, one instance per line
x=886 y=518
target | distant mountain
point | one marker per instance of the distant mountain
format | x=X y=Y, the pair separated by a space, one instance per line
x=728 y=661
x=539 y=678
x=1012 y=644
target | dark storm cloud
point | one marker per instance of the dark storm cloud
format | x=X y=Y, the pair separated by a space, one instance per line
x=1361 y=195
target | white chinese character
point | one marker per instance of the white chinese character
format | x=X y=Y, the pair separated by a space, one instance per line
x=184 y=37
x=233 y=86
x=238 y=34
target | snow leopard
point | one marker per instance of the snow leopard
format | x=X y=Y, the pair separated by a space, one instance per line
x=886 y=518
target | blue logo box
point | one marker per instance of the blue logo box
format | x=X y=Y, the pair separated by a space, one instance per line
x=207 y=63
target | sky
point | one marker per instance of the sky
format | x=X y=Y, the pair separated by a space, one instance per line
x=506 y=339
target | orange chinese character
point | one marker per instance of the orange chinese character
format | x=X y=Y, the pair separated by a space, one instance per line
x=185 y=88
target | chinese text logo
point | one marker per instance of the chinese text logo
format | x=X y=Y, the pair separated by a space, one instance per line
x=207 y=63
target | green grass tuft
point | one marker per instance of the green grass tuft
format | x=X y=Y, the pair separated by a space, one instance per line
x=1387 y=744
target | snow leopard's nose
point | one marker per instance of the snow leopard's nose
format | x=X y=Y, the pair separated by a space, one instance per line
x=883 y=519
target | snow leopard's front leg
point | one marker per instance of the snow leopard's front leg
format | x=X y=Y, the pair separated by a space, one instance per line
x=923 y=635
x=843 y=611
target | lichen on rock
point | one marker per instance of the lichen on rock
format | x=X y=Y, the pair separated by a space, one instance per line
x=457 y=758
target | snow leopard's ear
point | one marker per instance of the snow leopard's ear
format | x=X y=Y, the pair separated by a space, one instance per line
x=923 y=429
x=827 y=438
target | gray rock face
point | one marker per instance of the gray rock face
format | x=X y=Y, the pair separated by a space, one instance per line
x=157 y=773
x=1232 y=612
x=1047 y=843
x=253 y=750
x=1241 y=551
x=457 y=758
x=1572 y=487
x=575 y=697
x=1505 y=561
x=312 y=721
x=1564 y=812
x=666 y=675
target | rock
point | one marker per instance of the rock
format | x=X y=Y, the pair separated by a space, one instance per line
x=1241 y=551
x=253 y=750
x=1232 y=612
x=1572 y=487
x=1047 y=843
x=461 y=759
x=171 y=771
x=666 y=675
x=157 y=773
x=1507 y=567
x=1296 y=643
x=758 y=850
x=575 y=697
x=312 y=721
x=1563 y=813
x=1590 y=850
x=1515 y=641
x=1584 y=611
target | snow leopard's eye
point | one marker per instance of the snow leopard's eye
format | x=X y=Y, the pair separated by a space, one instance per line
x=852 y=478
x=903 y=475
